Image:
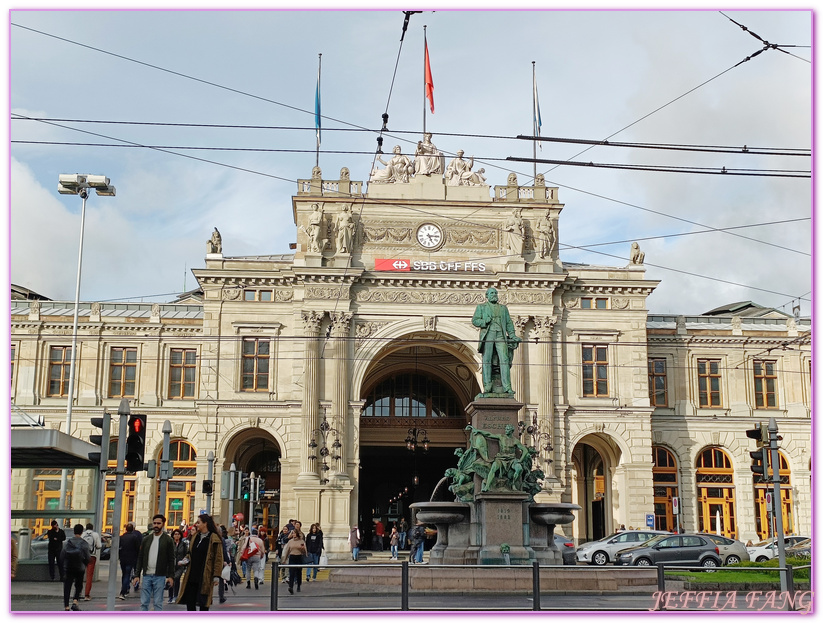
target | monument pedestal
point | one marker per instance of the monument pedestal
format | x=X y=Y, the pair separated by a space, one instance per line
x=502 y=517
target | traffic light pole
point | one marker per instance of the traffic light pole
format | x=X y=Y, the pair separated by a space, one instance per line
x=210 y=478
x=232 y=492
x=777 y=505
x=123 y=412
x=165 y=476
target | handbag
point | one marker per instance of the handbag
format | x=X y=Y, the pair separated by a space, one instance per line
x=324 y=560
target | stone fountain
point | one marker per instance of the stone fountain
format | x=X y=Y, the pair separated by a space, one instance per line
x=484 y=509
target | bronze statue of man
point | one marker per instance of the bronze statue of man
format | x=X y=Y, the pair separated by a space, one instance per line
x=497 y=340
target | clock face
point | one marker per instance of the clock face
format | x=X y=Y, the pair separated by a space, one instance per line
x=429 y=236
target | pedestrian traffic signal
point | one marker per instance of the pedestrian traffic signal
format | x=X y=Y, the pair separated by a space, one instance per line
x=245 y=490
x=136 y=443
x=759 y=461
x=102 y=440
x=208 y=487
x=259 y=488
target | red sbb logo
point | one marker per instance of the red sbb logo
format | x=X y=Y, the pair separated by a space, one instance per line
x=392 y=264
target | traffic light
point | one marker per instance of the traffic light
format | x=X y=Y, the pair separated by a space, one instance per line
x=102 y=440
x=208 y=487
x=759 y=461
x=260 y=490
x=245 y=490
x=760 y=457
x=136 y=443
x=759 y=433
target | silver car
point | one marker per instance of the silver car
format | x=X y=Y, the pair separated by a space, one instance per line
x=605 y=550
x=731 y=550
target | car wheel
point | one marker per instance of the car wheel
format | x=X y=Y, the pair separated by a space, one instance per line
x=709 y=564
x=732 y=560
x=761 y=559
x=643 y=562
x=600 y=558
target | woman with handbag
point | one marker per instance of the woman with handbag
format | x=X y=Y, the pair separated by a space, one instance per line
x=250 y=550
x=205 y=565
x=279 y=544
x=294 y=552
x=314 y=546
x=181 y=561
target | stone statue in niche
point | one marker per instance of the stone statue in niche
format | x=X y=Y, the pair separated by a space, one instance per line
x=317 y=240
x=547 y=236
x=427 y=158
x=345 y=230
x=459 y=171
x=397 y=170
x=215 y=243
x=637 y=256
x=515 y=232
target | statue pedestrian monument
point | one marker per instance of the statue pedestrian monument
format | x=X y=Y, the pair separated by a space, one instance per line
x=492 y=517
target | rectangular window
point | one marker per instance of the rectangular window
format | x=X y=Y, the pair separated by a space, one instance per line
x=182 y=372
x=123 y=372
x=592 y=303
x=595 y=370
x=255 y=365
x=265 y=295
x=708 y=382
x=657 y=383
x=59 y=365
x=765 y=384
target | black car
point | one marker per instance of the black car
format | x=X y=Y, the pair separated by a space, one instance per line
x=687 y=550
x=566 y=547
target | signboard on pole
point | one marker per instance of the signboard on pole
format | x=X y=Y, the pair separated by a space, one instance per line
x=675 y=506
x=650 y=520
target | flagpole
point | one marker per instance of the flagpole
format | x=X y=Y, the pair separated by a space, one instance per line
x=317 y=123
x=534 y=121
x=425 y=47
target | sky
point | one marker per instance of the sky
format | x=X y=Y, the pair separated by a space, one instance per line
x=634 y=76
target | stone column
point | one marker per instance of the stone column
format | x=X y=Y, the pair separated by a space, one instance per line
x=519 y=364
x=311 y=408
x=341 y=331
x=544 y=330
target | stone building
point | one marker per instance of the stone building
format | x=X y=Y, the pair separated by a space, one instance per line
x=340 y=373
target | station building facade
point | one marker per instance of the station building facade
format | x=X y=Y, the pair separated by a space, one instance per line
x=340 y=373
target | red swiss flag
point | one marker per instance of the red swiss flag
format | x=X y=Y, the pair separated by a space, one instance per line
x=392 y=264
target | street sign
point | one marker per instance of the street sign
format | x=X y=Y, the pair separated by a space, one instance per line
x=675 y=506
x=650 y=520
x=769 y=506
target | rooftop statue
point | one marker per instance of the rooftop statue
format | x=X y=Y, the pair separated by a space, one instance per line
x=547 y=237
x=397 y=170
x=498 y=342
x=427 y=159
x=515 y=232
x=459 y=172
x=316 y=230
x=637 y=256
x=345 y=230
x=215 y=243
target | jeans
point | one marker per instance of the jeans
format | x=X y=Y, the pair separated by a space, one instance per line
x=126 y=568
x=72 y=578
x=90 y=574
x=402 y=540
x=315 y=560
x=151 y=589
x=244 y=567
x=394 y=551
x=420 y=553
x=354 y=552
x=262 y=569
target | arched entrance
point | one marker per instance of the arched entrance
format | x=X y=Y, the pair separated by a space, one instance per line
x=715 y=493
x=412 y=419
x=594 y=458
x=255 y=450
x=664 y=474
x=764 y=519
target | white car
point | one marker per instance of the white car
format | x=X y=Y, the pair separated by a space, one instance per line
x=766 y=550
x=605 y=550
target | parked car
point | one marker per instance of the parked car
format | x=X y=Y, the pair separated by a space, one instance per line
x=731 y=550
x=566 y=547
x=603 y=551
x=766 y=550
x=688 y=550
x=803 y=549
x=105 y=551
x=40 y=547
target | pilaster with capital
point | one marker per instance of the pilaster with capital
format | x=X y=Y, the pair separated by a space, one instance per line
x=341 y=333
x=311 y=404
x=519 y=365
x=544 y=331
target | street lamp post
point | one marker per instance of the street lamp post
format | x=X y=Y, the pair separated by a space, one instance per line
x=76 y=184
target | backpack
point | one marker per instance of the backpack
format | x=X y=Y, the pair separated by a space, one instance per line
x=88 y=537
x=73 y=556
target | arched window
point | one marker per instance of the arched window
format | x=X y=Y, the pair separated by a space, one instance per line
x=762 y=486
x=715 y=493
x=411 y=395
x=664 y=474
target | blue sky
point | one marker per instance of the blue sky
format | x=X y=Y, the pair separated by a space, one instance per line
x=598 y=72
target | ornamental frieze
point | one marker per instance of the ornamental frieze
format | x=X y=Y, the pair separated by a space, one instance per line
x=387 y=234
x=364 y=330
x=328 y=294
x=618 y=303
x=420 y=298
x=529 y=298
x=231 y=294
x=469 y=237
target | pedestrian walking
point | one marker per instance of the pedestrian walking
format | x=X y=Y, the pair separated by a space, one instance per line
x=128 y=551
x=14 y=556
x=205 y=565
x=379 y=533
x=181 y=561
x=418 y=539
x=294 y=551
x=221 y=587
x=155 y=563
x=402 y=531
x=95 y=546
x=280 y=543
x=56 y=537
x=394 y=541
x=262 y=534
x=249 y=551
x=354 y=542
x=314 y=547
x=73 y=560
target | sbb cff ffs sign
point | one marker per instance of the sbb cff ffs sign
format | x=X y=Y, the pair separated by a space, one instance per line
x=392 y=264
x=403 y=265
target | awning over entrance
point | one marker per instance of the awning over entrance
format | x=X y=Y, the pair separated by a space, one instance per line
x=49 y=449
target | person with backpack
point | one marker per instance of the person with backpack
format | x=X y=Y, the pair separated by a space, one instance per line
x=75 y=556
x=95 y=547
x=250 y=550
x=418 y=536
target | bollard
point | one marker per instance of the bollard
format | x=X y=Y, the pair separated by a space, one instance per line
x=536 y=585
x=790 y=585
x=661 y=578
x=404 y=585
x=275 y=583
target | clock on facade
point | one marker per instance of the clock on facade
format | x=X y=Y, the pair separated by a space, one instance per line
x=429 y=235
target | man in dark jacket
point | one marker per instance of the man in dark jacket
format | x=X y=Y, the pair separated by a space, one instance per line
x=74 y=559
x=418 y=539
x=56 y=537
x=155 y=563
x=128 y=551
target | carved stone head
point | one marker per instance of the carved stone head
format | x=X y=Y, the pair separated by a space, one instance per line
x=512 y=179
x=344 y=173
x=316 y=173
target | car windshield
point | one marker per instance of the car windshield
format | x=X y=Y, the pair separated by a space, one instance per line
x=762 y=544
x=655 y=539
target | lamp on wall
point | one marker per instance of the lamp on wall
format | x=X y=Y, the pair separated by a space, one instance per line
x=322 y=434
